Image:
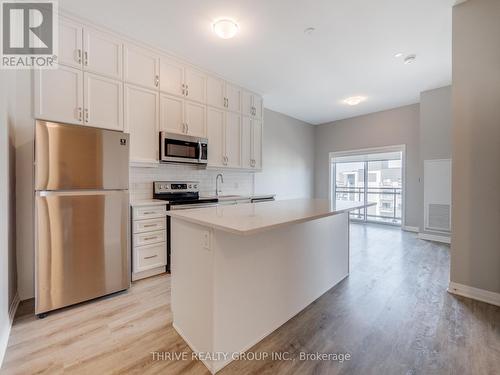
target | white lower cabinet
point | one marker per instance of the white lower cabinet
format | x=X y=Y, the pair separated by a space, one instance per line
x=149 y=241
x=103 y=102
x=142 y=122
x=59 y=95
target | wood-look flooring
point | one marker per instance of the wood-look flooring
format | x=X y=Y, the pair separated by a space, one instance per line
x=392 y=315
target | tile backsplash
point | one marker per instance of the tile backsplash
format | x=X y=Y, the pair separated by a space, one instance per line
x=141 y=180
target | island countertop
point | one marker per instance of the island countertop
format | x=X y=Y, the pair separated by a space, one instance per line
x=251 y=218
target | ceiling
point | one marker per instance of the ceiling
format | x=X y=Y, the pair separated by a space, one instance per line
x=350 y=53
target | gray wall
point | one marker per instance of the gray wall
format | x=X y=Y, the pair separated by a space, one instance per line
x=8 y=277
x=288 y=157
x=393 y=127
x=475 y=252
x=435 y=132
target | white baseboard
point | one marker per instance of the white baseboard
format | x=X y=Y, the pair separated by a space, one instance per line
x=4 y=338
x=408 y=228
x=13 y=307
x=434 y=237
x=474 y=293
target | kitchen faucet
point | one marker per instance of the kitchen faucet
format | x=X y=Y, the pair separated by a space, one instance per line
x=217 y=191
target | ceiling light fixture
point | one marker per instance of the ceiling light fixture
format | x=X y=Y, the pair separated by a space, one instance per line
x=225 y=28
x=398 y=55
x=354 y=100
x=410 y=59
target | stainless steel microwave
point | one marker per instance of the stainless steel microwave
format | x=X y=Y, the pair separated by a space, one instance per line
x=178 y=148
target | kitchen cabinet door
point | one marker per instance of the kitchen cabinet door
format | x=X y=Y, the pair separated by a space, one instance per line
x=233 y=96
x=215 y=92
x=233 y=140
x=246 y=142
x=70 y=43
x=141 y=67
x=103 y=102
x=195 y=119
x=256 y=144
x=141 y=121
x=59 y=95
x=216 y=138
x=196 y=85
x=171 y=114
x=171 y=76
x=257 y=106
x=103 y=53
x=246 y=103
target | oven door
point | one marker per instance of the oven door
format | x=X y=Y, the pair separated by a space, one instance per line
x=177 y=148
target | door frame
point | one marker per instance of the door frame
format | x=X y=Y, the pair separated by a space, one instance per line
x=371 y=150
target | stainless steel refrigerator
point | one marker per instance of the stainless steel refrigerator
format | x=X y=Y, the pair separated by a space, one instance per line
x=81 y=214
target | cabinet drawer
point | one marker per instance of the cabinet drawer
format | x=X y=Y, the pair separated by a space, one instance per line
x=141 y=239
x=151 y=256
x=149 y=212
x=141 y=226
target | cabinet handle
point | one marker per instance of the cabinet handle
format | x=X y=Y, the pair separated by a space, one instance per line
x=151 y=257
x=150 y=238
x=86 y=58
x=187 y=128
x=157 y=80
x=149 y=213
x=79 y=113
x=187 y=92
x=79 y=55
x=86 y=115
x=149 y=225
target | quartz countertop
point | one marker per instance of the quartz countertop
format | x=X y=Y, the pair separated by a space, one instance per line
x=250 y=218
x=147 y=202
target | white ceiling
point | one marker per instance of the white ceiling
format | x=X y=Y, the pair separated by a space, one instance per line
x=350 y=53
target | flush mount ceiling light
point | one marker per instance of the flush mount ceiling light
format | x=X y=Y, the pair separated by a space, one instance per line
x=354 y=100
x=410 y=59
x=225 y=28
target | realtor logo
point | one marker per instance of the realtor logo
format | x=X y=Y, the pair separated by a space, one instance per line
x=29 y=34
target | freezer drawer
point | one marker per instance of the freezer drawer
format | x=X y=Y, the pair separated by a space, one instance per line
x=81 y=246
x=72 y=157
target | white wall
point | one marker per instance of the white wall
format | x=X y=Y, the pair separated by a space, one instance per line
x=475 y=250
x=288 y=154
x=8 y=276
x=393 y=127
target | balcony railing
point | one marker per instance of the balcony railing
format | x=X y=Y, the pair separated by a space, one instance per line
x=388 y=199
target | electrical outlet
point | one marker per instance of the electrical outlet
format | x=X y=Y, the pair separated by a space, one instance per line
x=206 y=240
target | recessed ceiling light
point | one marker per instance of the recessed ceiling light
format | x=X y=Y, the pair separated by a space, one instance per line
x=398 y=55
x=309 y=30
x=225 y=28
x=410 y=59
x=354 y=100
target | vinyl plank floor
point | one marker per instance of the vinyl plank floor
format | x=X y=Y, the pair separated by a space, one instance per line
x=392 y=315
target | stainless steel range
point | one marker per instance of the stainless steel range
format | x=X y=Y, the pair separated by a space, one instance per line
x=180 y=195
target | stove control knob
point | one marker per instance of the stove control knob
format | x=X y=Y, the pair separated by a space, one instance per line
x=195 y=186
x=190 y=186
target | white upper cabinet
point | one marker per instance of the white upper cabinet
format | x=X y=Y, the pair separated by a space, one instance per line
x=233 y=140
x=216 y=137
x=142 y=122
x=246 y=142
x=256 y=161
x=216 y=92
x=172 y=114
x=195 y=119
x=103 y=102
x=102 y=53
x=141 y=67
x=70 y=43
x=233 y=97
x=195 y=85
x=59 y=95
x=171 y=76
x=251 y=105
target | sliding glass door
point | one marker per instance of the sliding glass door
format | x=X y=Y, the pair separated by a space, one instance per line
x=375 y=178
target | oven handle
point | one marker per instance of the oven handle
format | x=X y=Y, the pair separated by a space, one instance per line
x=174 y=207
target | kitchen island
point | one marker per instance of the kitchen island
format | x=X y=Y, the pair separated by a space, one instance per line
x=240 y=272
